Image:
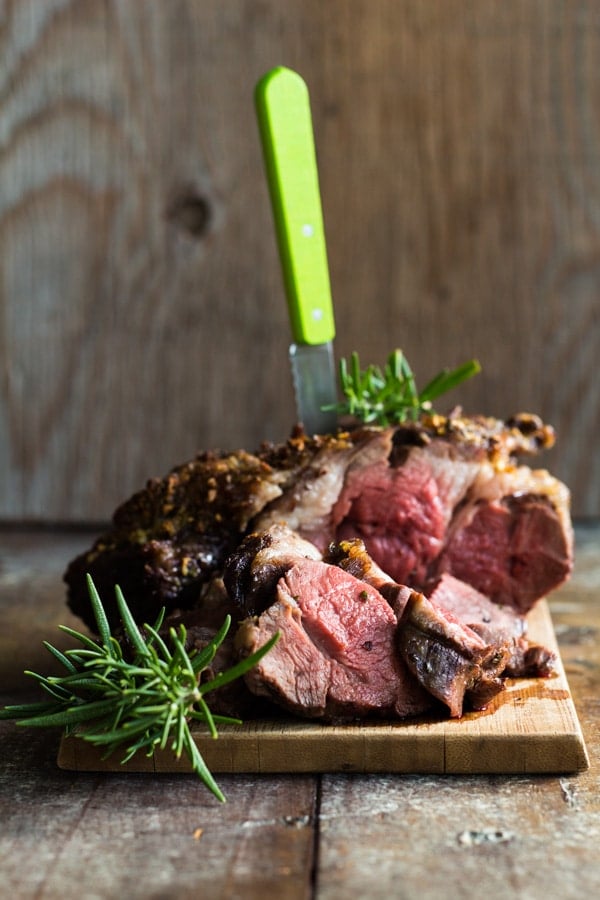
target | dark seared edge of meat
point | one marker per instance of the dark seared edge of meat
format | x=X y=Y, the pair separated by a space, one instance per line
x=530 y=661
x=172 y=537
x=253 y=569
x=152 y=575
x=250 y=589
x=448 y=658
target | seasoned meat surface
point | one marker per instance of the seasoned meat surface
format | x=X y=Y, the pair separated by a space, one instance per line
x=448 y=658
x=171 y=538
x=423 y=498
x=254 y=568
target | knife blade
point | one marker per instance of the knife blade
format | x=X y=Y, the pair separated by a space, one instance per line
x=285 y=126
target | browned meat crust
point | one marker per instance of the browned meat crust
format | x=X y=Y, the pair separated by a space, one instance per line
x=401 y=490
x=448 y=658
x=253 y=570
x=171 y=538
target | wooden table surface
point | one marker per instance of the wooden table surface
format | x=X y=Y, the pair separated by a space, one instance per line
x=67 y=835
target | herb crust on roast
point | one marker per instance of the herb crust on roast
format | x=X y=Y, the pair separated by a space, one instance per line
x=401 y=509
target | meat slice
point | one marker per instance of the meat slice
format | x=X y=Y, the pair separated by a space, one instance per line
x=449 y=659
x=512 y=539
x=254 y=568
x=491 y=621
x=352 y=557
x=401 y=512
x=336 y=657
x=502 y=625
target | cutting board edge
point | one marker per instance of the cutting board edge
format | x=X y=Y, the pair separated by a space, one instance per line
x=495 y=758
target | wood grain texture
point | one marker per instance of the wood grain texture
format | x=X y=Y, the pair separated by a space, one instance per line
x=141 y=309
x=158 y=840
x=69 y=835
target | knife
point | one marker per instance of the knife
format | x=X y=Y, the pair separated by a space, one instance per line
x=285 y=126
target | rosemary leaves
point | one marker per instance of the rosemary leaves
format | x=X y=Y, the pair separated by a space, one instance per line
x=142 y=702
x=390 y=397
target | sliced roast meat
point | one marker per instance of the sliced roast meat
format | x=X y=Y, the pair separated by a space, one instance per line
x=352 y=557
x=447 y=507
x=336 y=657
x=448 y=658
x=330 y=540
x=254 y=568
x=444 y=494
x=514 y=547
x=494 y=624
x=490 y=620
x=401 y=513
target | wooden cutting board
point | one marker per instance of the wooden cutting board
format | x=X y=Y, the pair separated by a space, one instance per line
x=532 y=727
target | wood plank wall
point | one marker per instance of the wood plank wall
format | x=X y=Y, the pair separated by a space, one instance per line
x=141 y=309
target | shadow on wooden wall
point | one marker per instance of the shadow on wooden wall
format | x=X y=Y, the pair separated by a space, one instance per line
x=141 y=310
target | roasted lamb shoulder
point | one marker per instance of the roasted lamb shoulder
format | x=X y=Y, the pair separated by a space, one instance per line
x=442 y=495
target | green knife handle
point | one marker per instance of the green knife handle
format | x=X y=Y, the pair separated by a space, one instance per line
x=285 y=124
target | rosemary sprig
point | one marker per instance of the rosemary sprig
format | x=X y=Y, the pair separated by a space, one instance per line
x=142 y=702
x=390 y=397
